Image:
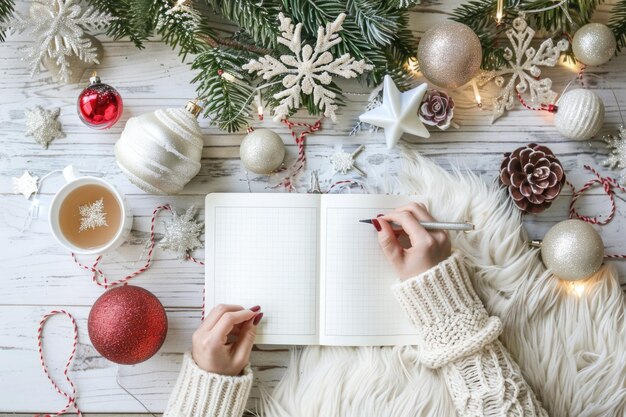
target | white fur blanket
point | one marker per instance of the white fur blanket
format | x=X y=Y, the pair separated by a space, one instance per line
x=571 y=347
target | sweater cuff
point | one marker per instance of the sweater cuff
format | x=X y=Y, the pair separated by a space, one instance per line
x=447 y=313
x=198 y=393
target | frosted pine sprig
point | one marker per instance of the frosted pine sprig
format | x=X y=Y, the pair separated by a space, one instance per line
x=92 y=215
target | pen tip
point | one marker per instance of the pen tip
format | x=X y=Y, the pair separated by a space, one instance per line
x=366 y=221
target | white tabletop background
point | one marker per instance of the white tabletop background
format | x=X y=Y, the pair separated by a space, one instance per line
x=37 y=275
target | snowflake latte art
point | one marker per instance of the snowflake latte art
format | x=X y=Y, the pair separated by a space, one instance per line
x=90 y=216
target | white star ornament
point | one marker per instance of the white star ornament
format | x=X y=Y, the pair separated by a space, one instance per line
x=398 y=113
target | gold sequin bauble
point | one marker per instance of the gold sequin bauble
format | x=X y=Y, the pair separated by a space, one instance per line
x=262 y=151
x=572 y=250
x=594 y=44
x=449 y=54
x=580 y=114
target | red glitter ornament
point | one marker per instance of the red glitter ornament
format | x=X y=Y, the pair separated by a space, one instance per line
x=127 y=325
x=99 y=105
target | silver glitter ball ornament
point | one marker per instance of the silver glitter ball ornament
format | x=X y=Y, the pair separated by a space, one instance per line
x=449 y=54
x=572 y=250
x=580 y=114
x=262 y=151
x=594 y=44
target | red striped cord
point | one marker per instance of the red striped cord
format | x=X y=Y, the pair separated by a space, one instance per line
x=552 y=108
x=98 y=276
x=608 y=184
x=71 y=397
x=287 y=182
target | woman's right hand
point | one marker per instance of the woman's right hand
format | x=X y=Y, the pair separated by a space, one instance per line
x=223 y=342
x=428 y=248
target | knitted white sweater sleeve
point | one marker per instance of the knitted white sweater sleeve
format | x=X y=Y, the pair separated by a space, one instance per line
x=198 y=393
x=460 y=338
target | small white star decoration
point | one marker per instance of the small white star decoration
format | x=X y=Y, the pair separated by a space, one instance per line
x=25 y=185
x=182 y=233
x=342 y=161
x=308 y=69
x=43 y=125
x=398 y=113
x=617 y=152
x=92 y=215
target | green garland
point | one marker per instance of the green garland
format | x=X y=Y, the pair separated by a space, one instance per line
x=6 y=11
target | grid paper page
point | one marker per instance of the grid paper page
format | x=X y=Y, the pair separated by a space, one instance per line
x=359 y=307
x=268 y=256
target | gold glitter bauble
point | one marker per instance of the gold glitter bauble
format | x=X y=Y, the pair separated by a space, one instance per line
x=450 y=54
x=572 y=250
x=262 y=151
x=594 y=44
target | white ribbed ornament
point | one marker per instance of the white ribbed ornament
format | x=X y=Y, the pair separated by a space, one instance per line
x=580 y=114
x=160 y=152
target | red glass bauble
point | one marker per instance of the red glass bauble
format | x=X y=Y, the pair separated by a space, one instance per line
x=127 y=325
x=99 y=105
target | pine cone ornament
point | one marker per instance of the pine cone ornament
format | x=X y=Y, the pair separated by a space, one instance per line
x=437 y=109
x=534 y=177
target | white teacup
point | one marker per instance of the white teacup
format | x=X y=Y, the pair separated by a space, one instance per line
x=74 y=180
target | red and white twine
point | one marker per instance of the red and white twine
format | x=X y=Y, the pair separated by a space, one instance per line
x=98 y=276
x=71 y=397
x=298 y=166
x=608 y=184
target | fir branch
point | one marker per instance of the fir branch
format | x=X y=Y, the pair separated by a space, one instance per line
x=181 y=26
x=7 y=7
x=135 y=19
x=377 y=22
x=226 y=102
x=258 y=19
x=617 y=23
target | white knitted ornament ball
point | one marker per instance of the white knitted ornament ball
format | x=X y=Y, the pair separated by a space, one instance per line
x=594 y=44
x=580 y=114
x=160 y=152
x=262 y=151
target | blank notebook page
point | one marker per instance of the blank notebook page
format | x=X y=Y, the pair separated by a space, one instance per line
x=264 y=251
x=358 y=305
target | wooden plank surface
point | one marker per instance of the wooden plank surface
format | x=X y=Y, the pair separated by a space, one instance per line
x=37 y=275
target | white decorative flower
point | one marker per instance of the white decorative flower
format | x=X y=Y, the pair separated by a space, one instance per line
x=309 y=68
x=617 y=152
x=182 y=233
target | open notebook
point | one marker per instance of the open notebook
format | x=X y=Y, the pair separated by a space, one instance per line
x=318 y=273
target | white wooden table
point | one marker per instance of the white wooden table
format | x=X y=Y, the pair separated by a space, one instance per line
x=38 y=275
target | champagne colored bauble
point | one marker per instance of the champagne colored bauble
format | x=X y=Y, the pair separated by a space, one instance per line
x=594 y=44
x=580 y=114
x=160 y=152
x=127 y=325
x=449 y=54
x=262 y=151
x=572 y=250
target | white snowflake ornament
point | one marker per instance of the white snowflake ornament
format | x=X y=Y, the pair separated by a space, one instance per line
x=92 y=215
x=25 y=185
x=342 y=161
x=182 y=233
x=43 y=125
x=58 y=28
x=617 y=152
x=523 y=63
x=309 y=69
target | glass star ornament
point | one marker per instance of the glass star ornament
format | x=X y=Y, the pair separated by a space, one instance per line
x=43 y=125
x=616 y=145
x=182 y=233
x=398 y=113
x=25 y=185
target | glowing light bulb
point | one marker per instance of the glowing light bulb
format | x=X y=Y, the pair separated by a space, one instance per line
x=578 y=288
x=499 y=11
x=476 y=93
x=228 y=77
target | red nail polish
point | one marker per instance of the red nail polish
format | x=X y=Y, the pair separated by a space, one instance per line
x=379 y=215
x=255 y=308
x=257 y=319
x=376 y=224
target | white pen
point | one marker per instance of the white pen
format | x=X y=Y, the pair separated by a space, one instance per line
x=435 y=225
